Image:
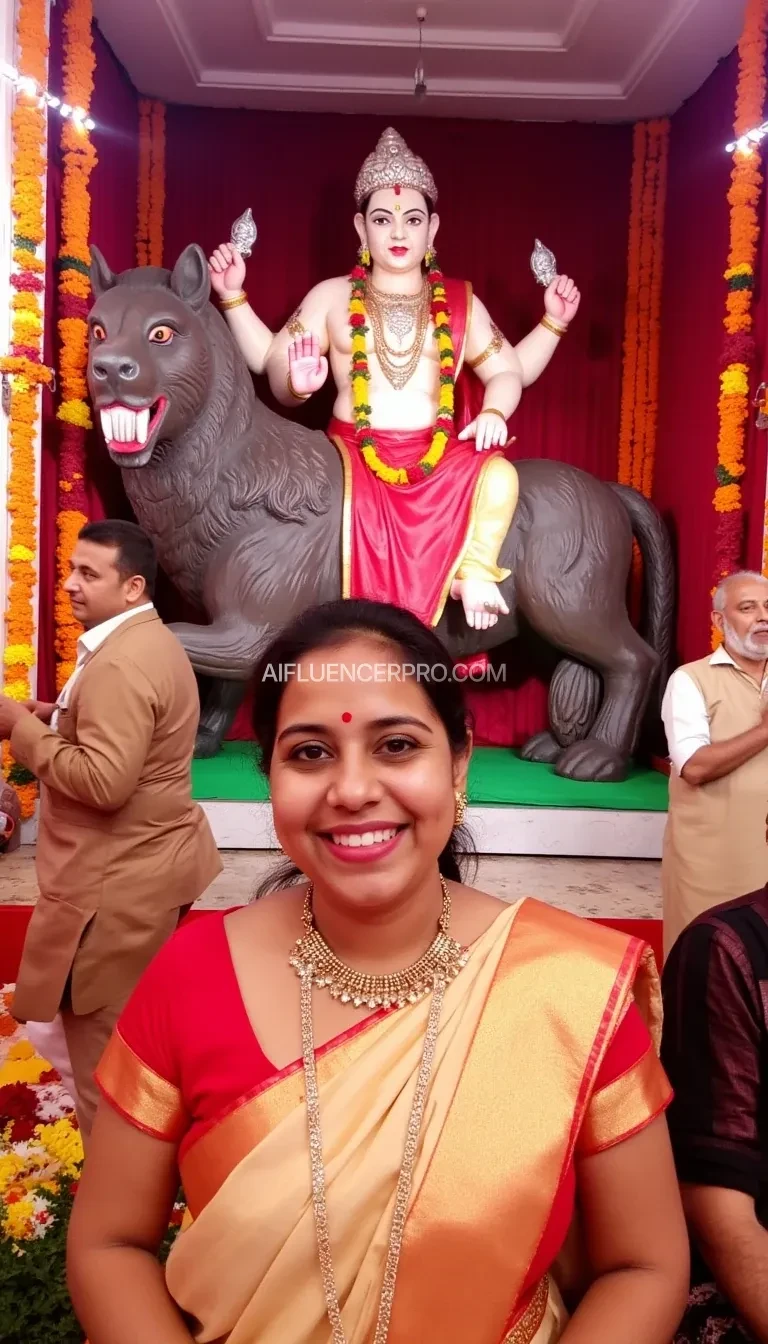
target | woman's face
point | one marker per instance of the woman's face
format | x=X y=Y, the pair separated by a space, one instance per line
x=362 y=779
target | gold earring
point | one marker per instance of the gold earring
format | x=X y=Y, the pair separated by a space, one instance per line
x=461 y=807
x=364 y=255
x=429 y=258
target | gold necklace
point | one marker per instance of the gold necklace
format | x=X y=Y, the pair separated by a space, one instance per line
x=313 y=959
x=398 y=366
x=400 y=310
x=443 y=960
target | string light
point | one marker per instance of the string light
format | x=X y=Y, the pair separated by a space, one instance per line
x=24 y=84
x=746 y=143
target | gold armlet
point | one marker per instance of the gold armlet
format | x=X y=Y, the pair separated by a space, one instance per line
x=297 y=396
x=233 y=302
x=493 y=348
x=553 y=326
x=293 y=325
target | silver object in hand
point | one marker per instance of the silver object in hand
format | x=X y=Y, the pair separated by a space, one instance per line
x=543 y=264
x=244 y=233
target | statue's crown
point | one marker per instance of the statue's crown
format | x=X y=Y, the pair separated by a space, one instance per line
x=392 y=164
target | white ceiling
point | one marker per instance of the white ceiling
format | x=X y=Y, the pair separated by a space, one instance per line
x=587 y=60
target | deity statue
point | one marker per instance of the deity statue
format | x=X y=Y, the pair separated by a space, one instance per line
x=431 y=493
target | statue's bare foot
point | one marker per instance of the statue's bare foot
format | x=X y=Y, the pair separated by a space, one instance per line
x=482 y=601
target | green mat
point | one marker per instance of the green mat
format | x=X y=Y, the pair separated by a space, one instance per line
x=497 y=776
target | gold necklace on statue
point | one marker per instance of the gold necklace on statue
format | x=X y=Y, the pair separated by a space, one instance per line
x=317 y=964
x=400 y=313
x=443 y=959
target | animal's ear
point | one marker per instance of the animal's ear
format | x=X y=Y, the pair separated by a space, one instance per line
x=102 y=278
x=190 y=278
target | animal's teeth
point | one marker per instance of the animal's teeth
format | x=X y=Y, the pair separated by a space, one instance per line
x=129 y=425
x=118 y=424
x=106 y=426
x=142 y=425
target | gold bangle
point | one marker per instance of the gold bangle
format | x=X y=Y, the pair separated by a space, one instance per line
x=491 y=410
x=297 y=396
x=553 y=326
x=492 y=348
x=234 y=302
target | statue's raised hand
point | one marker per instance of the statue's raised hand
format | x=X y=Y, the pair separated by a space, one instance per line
x=562 y=299
x=227 y=271
x=307 y=368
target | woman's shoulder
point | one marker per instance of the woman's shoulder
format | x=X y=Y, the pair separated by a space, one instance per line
x=197 y=947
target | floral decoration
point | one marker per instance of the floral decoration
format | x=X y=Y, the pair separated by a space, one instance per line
x=360 y=376
x=739 y=348
x=74 y=288
x=23 y=367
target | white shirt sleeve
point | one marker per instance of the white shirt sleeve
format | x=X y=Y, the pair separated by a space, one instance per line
x=685 y=718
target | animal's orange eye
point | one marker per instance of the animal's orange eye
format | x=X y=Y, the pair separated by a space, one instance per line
x=98 y=333
x=162 y=335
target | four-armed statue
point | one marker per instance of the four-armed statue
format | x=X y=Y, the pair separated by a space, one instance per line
x=409 y=498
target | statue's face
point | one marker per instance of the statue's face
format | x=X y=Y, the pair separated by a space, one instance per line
x=148 y=369
x=397 y=228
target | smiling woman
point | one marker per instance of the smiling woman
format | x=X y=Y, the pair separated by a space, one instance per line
x=394 y=1086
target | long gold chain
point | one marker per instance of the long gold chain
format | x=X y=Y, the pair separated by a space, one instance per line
x=442 y=960
x=405 y=1178
x=398 y=366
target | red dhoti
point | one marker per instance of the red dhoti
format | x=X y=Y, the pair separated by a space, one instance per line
x=404 y=543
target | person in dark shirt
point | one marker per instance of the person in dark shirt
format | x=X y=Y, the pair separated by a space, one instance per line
x=715 y=1053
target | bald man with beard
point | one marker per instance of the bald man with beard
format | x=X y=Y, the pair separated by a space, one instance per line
x=715 y=714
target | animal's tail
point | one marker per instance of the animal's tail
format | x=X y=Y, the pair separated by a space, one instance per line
x=659 y=574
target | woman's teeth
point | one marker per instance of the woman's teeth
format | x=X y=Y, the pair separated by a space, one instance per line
x=364 y=838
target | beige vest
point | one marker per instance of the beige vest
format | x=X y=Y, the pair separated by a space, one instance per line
x=715 y=841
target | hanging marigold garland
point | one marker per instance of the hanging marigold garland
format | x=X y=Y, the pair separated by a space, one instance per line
x=26 y=371
x=74 y=288
x=151 y=196
x=360 y=376
x=739 y=347
x=642 y=322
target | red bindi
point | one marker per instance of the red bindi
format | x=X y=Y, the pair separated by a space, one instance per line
x=346 y=717
x=398 y=188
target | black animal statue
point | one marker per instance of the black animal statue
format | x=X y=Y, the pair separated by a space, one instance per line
x=245 y=509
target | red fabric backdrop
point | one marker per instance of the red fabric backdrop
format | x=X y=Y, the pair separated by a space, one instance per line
x=501 y=185
x=113 y=228
x=696 y=245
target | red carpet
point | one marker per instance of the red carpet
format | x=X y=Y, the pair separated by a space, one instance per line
x=14 y=920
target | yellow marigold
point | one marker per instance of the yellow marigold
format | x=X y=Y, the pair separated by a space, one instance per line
x=11 y=1167
x=441 y=320
x=17 y=1219
x=22 y=1070
x=21 y=553
x=743 y=268
x=734 y=380
x=19 y=653
x=17 y=690
x=63 y=1142
x=357 y=306
x=75 y=413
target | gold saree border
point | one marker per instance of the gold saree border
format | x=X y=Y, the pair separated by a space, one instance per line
x=147 y=1100
x=208 y=1162
x=475 y=1223
x=625 y=1106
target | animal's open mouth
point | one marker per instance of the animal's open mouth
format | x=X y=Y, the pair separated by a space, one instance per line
x=132 y=429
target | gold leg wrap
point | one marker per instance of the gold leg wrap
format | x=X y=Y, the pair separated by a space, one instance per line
x=493 y=511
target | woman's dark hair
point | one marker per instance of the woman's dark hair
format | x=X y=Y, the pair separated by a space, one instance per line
x=329 y=627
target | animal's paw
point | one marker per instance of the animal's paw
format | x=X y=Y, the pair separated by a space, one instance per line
x=592 y=761
x=207 y=743
x=542 y=747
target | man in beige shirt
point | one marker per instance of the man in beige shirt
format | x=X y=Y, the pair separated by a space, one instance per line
x=122 y=848
x=715 y=714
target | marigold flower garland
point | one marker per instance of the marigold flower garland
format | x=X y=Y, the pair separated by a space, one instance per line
x=79 y=160
x=360 y=375
x=26 y=372
x=642 y=323
x=739 y=347
x=151 y=197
